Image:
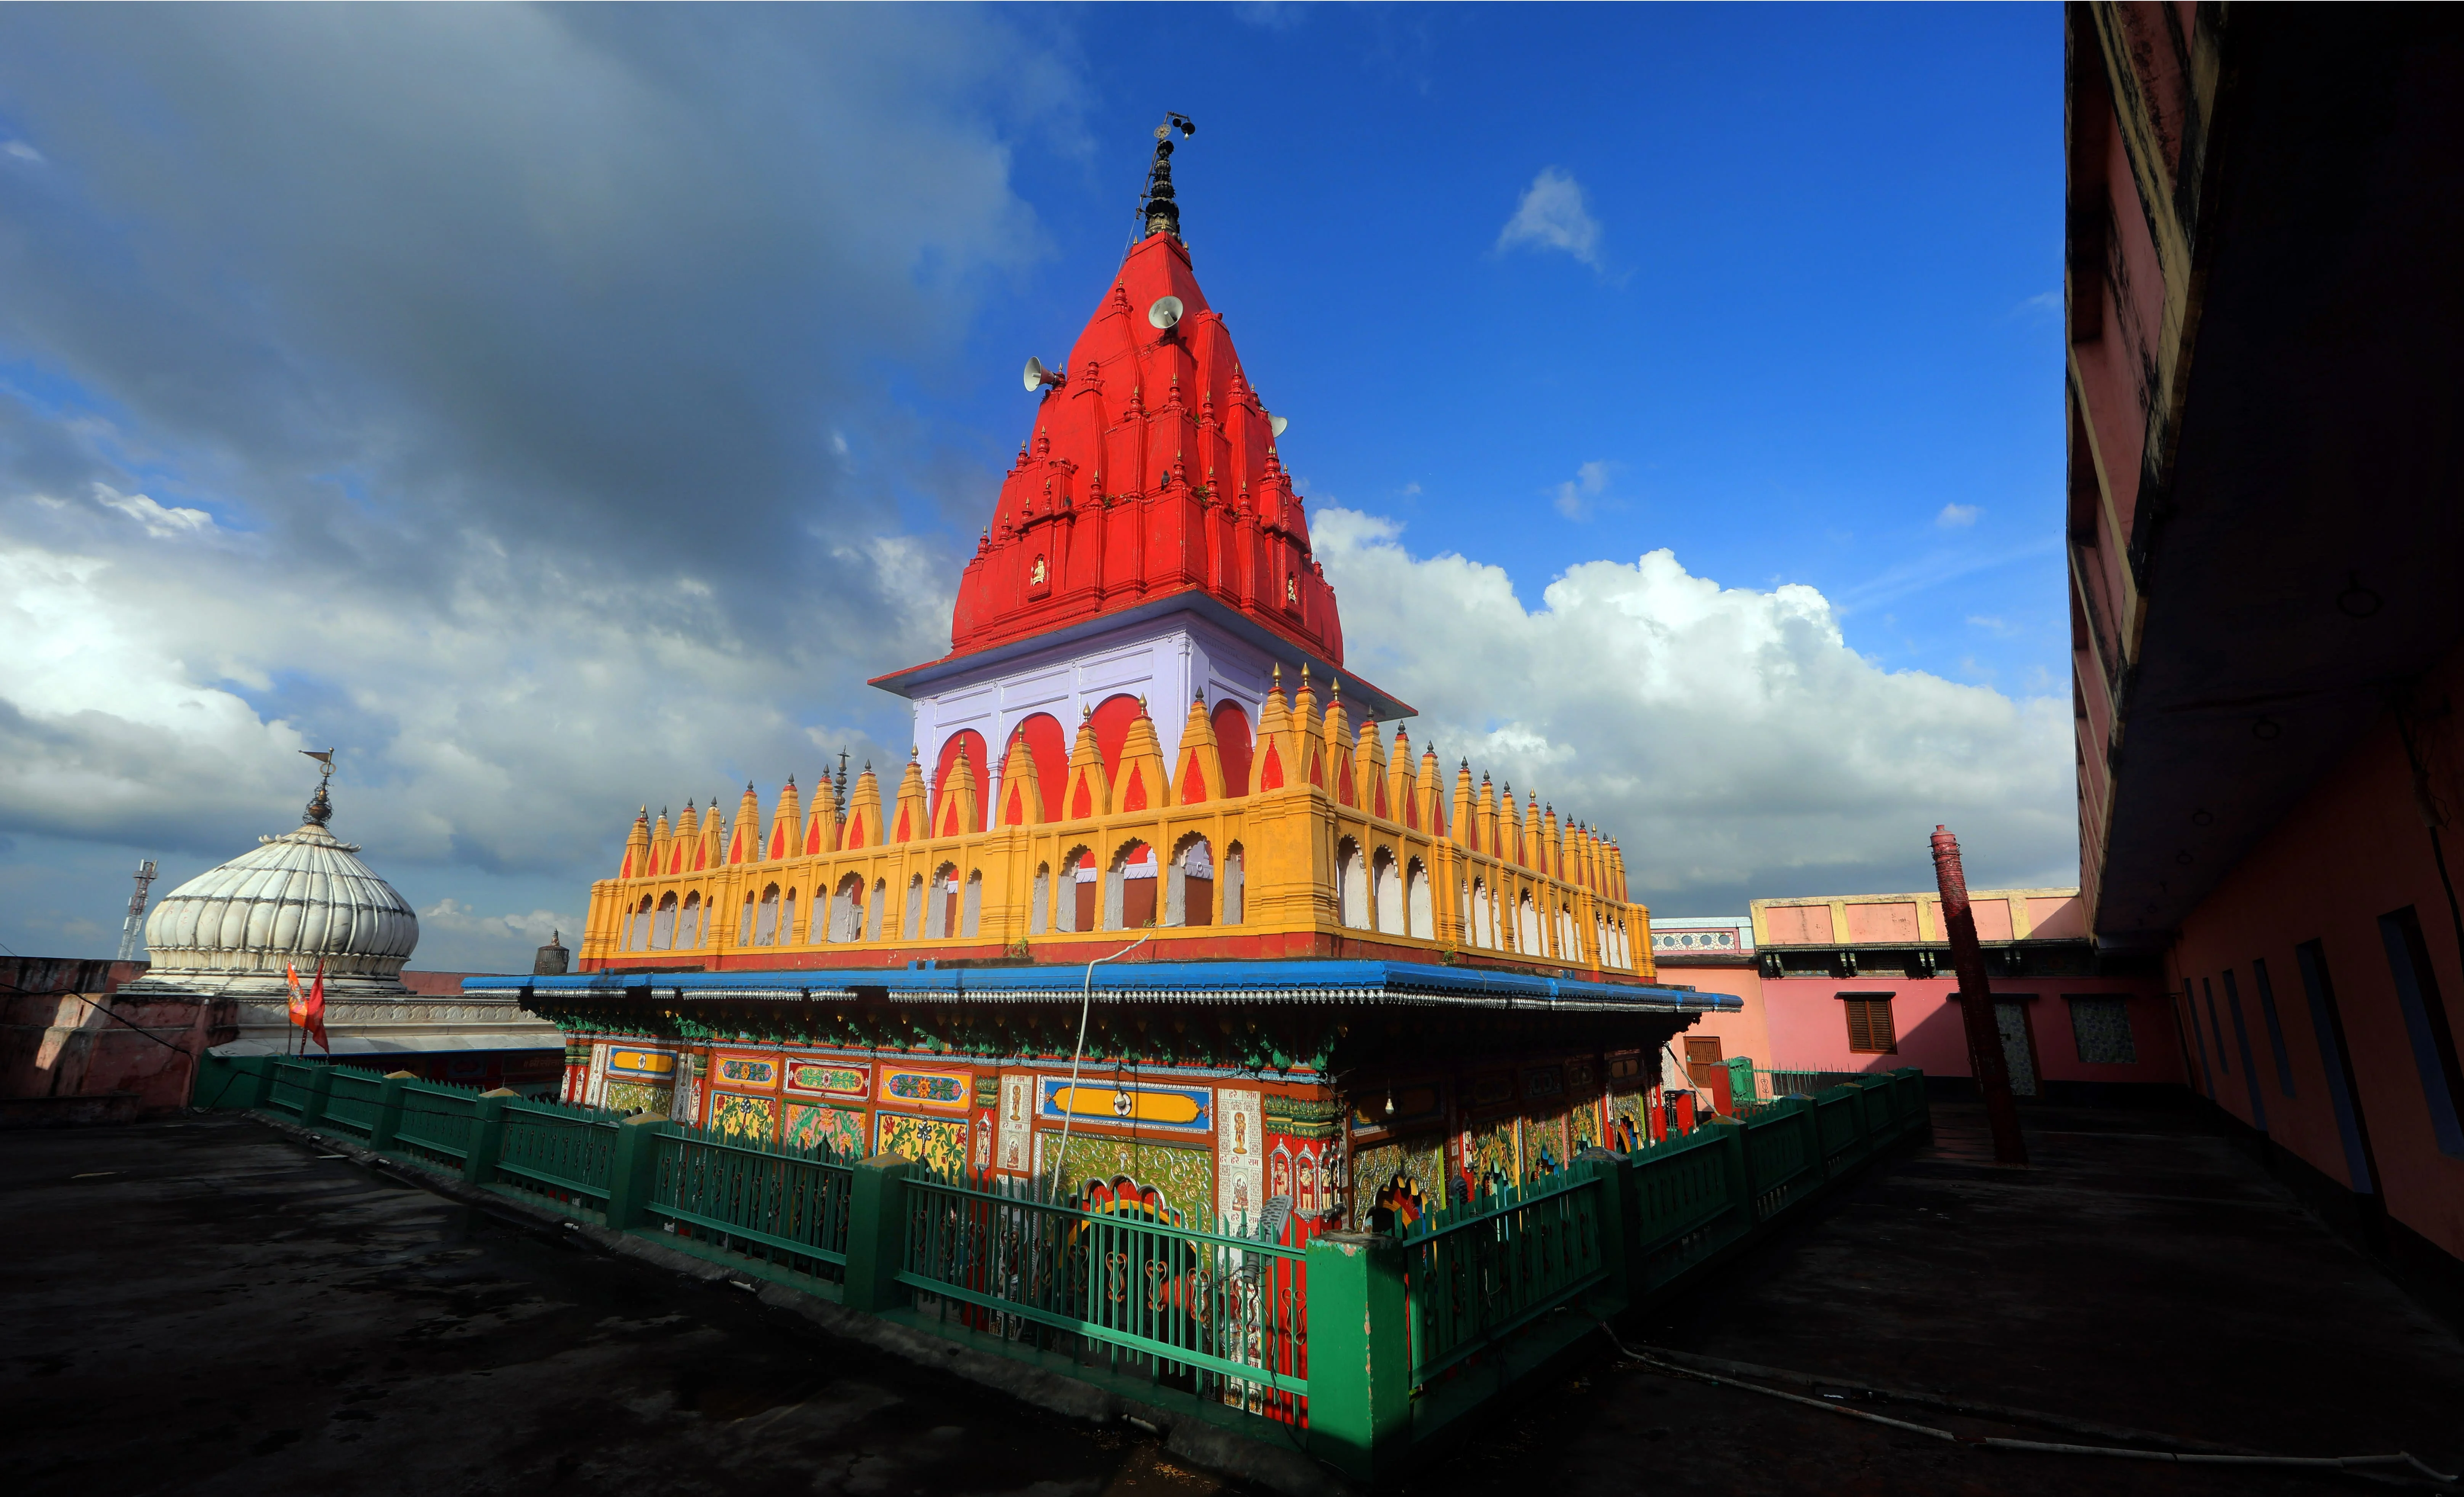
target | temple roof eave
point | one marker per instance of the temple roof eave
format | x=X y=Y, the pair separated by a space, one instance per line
x=1314 y=982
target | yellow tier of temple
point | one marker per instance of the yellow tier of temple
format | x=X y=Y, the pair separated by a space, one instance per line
x=1332 y=844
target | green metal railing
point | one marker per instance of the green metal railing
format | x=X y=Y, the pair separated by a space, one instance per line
x=437 y=1125
x=1364 y=1347
x=562 y=1153
x=771 y=1201
x=1477 y=1273
x=1221 y=1313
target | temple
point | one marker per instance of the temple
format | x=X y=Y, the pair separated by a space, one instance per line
x=1157 y=887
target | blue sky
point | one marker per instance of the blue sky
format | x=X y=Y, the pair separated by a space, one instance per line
x=560 y=410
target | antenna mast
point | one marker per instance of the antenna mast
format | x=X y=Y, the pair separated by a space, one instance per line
x=133 y=932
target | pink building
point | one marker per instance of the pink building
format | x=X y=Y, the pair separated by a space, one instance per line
x=1862 y=982
x=2262 y=528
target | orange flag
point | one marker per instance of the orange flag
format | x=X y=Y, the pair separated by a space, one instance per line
x=299 y=999
x=314 y=1009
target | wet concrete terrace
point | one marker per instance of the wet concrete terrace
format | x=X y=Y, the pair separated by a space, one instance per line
x=210 y=1307
x=2142 y=1274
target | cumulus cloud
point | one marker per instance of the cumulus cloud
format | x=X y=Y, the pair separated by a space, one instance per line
x=493 y=394
x=1730 y=738
x=1553 y=215
x=1956 y=517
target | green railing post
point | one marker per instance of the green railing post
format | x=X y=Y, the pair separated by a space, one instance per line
x=389 y=1099
x=877 y=1246
x=1360 y=1371
x=487 y=1135
x=1812 y=1114
x=260 y=1093
x=632 y=1169
x=1620 y=1233
x=321 y=1090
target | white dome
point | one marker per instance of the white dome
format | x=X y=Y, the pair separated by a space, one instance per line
x=297 y=900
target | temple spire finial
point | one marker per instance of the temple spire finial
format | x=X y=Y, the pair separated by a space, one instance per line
x=1157 y=210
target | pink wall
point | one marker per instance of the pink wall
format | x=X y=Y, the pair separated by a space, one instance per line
x=1742 y=1033
x=2353 y=850
x=1809 y=1026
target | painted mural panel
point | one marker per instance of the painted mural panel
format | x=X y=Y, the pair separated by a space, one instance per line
x=1017 y=1128
x=634 y=1096
x=937 y=1143
x=840 y=1129
x=1240 y=1153
x=1406 y=1178
x=1583 y=1126
x=746 y=1070
x=1184 y=1109
x=741 y=1117
x=1185 y=1177
x=1544 y=1147
x=634 y=1061
x=1493 y=1156
x=828 y=1078
x=935 y=1091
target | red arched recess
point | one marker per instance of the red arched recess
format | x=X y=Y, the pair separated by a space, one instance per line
x=1113 y=721
x=971 y=744
x=1232 y=743
x=1050 y=752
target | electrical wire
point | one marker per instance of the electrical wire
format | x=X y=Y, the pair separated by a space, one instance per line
x=1086 y=1005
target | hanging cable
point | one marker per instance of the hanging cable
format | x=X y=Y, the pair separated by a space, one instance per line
x=1086 y=1005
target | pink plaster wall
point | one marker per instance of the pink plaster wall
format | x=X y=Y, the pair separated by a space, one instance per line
x=2354 y=848
x=1743 y=1033
x=1809 y=1026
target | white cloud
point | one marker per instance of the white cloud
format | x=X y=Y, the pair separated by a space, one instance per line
x=23 y=153
x=455 y=937
x=159 y=522
x=1956 y=517
x=1553 y=215
x=1574 y=497
x=1728 y=738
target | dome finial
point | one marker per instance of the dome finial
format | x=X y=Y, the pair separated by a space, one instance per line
x=320 y=806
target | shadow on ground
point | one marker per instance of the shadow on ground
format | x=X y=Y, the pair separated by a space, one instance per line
x=2142 y=1274
x=208 y=1307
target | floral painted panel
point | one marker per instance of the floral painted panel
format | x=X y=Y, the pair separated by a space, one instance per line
x=636 y=1096
x=744 y=1070
x=830 y=1078
x=1544 y=1147
x=741 y=1116
x=1185 y=1178
x=941 y=1091
x=842 y=1129
x=1406 y=1178
x=1493 y=1156
x=1583 y=1125
x=937 y=1143
x=1627 y=1129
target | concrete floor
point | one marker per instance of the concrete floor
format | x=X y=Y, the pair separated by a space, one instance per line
x=208 y=1307
x=2142 y=1274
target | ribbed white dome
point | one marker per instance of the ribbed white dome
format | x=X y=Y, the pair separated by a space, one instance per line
x=299 y=899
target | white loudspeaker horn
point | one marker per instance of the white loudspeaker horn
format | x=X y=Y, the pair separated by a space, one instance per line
x=1036 y=376
x=1165 y=312
x=1276 y=424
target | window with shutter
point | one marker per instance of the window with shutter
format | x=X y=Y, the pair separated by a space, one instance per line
x=1870 y=1030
